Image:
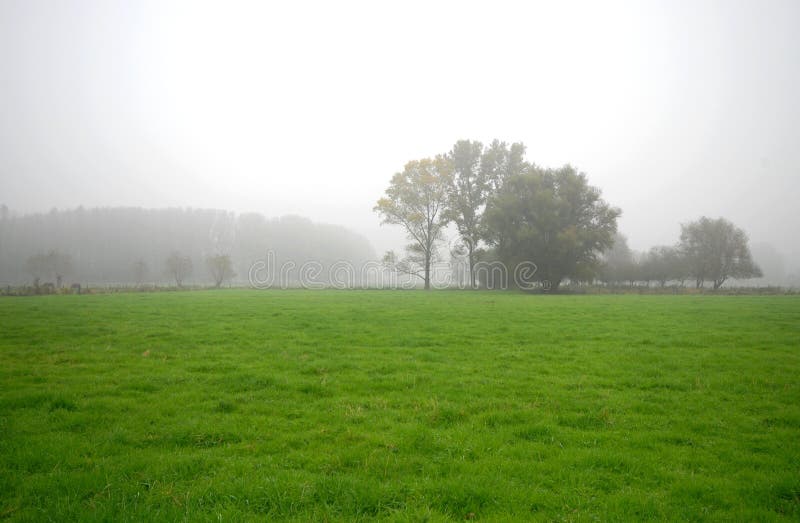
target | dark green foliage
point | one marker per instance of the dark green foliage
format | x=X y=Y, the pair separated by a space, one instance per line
x=554 y=219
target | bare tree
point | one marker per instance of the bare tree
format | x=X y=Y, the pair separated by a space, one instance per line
x=221 y=268
x=54 y=264
x=60 y=265
x=179 y=267
x=36 y=266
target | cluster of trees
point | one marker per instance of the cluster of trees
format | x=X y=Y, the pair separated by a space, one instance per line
x=709 y=250
x=503 y=207
x=507 y=209
x=122 y=246
x=179 y=267
x=53 y=267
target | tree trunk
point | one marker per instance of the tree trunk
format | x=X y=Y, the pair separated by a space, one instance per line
x=427 y=273
x=471 y=266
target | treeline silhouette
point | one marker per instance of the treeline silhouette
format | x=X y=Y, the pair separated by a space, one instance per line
x=129 y=246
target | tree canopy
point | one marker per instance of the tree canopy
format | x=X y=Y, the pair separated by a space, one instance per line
x=553 y=218
x=416 y=199
x=466 y=196
x=717 y=250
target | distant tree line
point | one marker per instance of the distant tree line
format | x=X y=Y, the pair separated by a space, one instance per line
x=509 y=210
x=709 y=250
x=124 y=246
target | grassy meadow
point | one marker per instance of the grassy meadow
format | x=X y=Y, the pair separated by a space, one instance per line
x=400 y=405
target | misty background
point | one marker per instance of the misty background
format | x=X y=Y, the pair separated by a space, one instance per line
x=674 y=109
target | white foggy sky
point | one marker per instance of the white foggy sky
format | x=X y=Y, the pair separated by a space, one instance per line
x=674 y=109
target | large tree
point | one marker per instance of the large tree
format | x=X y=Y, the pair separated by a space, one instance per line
x=554 y=219
x=716 y=250
x=416 y=199
x=466 y=197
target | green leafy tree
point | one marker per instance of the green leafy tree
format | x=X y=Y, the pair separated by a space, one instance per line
x=662 y=264
x=466 y=197
x=416 y=199
x=554 y=219
x=500 y=162
x=717 y=250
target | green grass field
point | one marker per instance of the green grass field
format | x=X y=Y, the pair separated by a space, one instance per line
x=408 y=406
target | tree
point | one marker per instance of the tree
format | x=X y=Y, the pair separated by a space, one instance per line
x=466 y=197
x=179 y=267
x=59 y=265
x=655 y=265
x=37 y=267
x=662 y=264
x=221 y=268
x=554 y=219
x=460 y=266
x=500 y=162
x=680 y=268
x=618 y=262
x=416 y=200
x=412 y=264
x=54 y=264
x=717 y=250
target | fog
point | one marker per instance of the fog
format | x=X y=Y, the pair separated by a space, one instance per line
x=674 y=109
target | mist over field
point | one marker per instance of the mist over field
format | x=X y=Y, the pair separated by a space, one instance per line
x=415 y=261
x=674 y=110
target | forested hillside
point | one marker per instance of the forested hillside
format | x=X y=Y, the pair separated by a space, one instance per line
x=131 y=245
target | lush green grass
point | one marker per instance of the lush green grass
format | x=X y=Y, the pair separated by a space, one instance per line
x=350 y=405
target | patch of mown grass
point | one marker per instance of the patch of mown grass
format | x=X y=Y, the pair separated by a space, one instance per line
x=406 y=406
